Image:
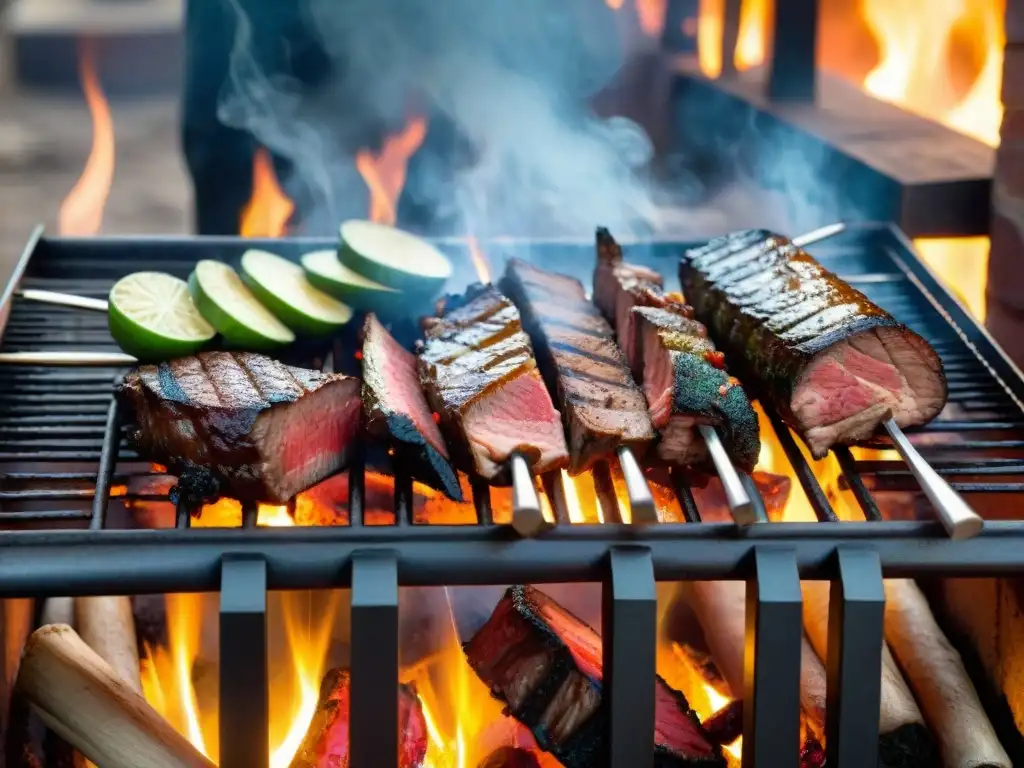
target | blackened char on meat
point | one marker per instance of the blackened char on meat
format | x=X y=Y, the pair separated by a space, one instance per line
x=601 y=404
x=832 y=363
x=397 y=411
x=260 y=429
x=684 y=378
x=326 y=743
x=479 y=374
x=546 y=665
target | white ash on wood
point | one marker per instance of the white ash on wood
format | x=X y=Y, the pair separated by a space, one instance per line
x=81 y=698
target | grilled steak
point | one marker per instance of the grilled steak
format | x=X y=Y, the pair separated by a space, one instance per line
x=478 y=371
x=259 y=429
x=683 y=376
x=546 y=665
x=832 y=363
x=601 y=404
x=686 y=385
x=397 y=411
x=326 y=743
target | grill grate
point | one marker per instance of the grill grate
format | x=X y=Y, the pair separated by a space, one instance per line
x=63 y=464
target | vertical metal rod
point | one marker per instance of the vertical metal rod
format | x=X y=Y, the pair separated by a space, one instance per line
x=244 y=698
x=771 y=685
x=527 y=517
x=856 y=618
x=250 y=514
x=629 y=620
x=356 y=488
x=685 y=496
x=403 y=498
x=735 y=491
x=105 y=472
x=182 y=515
x=373 y=722
x=482 y=500
x=641 y=503
x=792 y=71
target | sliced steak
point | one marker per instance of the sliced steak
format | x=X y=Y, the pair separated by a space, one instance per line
x=686 y=385
x=326 y=743
x=602 y=406
x=479 y=374
x=684 y=379
x=546 y=665
x=831 y=362
x=258 y=429
x=397 y=411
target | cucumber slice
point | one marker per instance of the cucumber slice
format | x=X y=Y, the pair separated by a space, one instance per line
x=331 y=276
x=284 y=289
x=393 y=257
x=232 y=309
x=152 y=316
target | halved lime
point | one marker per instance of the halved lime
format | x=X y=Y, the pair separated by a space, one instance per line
x=233 y=310
x=327 y=273
x=286 y=291
x=152 y=316
x=390 y=256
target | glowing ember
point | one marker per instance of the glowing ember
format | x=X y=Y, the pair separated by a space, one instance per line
x=268 y=211
x=384 y=173
x=81 y=212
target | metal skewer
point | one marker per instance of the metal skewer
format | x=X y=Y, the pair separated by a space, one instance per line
x=527 y=517
x=959 y=520
x=819 y=234
x=73 y=359
x=641 y=502
x=740 y=504
x=63 y=299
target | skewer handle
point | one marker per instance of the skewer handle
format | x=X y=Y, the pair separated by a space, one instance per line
x=960 y=521
x=63 y=299
x=67 y=358
x=740 y=505
x=641 y=502
x=819 y=234
x=527 y=517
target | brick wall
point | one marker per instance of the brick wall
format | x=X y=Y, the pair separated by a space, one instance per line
x=1006 y=263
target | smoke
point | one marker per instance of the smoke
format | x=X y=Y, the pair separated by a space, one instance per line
x=513 y=146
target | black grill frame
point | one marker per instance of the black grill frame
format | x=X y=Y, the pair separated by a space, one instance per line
x=375 y=560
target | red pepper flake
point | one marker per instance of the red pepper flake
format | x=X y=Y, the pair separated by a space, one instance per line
x=723 y=390
x=436 y=417
x=359 y=354
x=715 y=358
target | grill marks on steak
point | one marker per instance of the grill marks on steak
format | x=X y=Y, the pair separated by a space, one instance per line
x=262 y=430
x=397 y=411
x=832 y=363
x=546 y=665
x=478 y=371
x=326 y=743
x=669 y=352
x=602 y=406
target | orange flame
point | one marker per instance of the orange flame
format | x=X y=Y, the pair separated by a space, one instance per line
x=269 y=209
x=81 y=212
x=479 y=259
x=384 y=173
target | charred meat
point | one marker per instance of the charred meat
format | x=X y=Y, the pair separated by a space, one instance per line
x=546 y=665
x=397 y=411
x=326 y=744
x=258 y=429
x=601 y=404
x=833 y=363
x=479 y=374
x=683 y=375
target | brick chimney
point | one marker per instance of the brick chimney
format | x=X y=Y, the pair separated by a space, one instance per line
x=1006 y=262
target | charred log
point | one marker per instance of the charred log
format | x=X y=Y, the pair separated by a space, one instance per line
x=510 y=757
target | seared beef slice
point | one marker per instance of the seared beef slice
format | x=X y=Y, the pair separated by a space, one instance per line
x=546 y=665
x=832 y=362
x=263 y=430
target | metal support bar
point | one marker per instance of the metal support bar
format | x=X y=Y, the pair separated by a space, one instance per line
x=792 y=74
x=244 y=705
x=108 y=461
x=856 y=617
x=629 y=620
x=771 y=685
x=373 y=722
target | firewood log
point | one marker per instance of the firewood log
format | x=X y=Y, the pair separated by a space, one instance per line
x=510 y=757
x=81 y=698
x=937 y=676
x=107 y=625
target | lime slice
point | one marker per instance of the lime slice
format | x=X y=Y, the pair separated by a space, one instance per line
x=284 y=289
x=231 y=308
x=152 y=317
x=331 y=276
x=393 y=257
